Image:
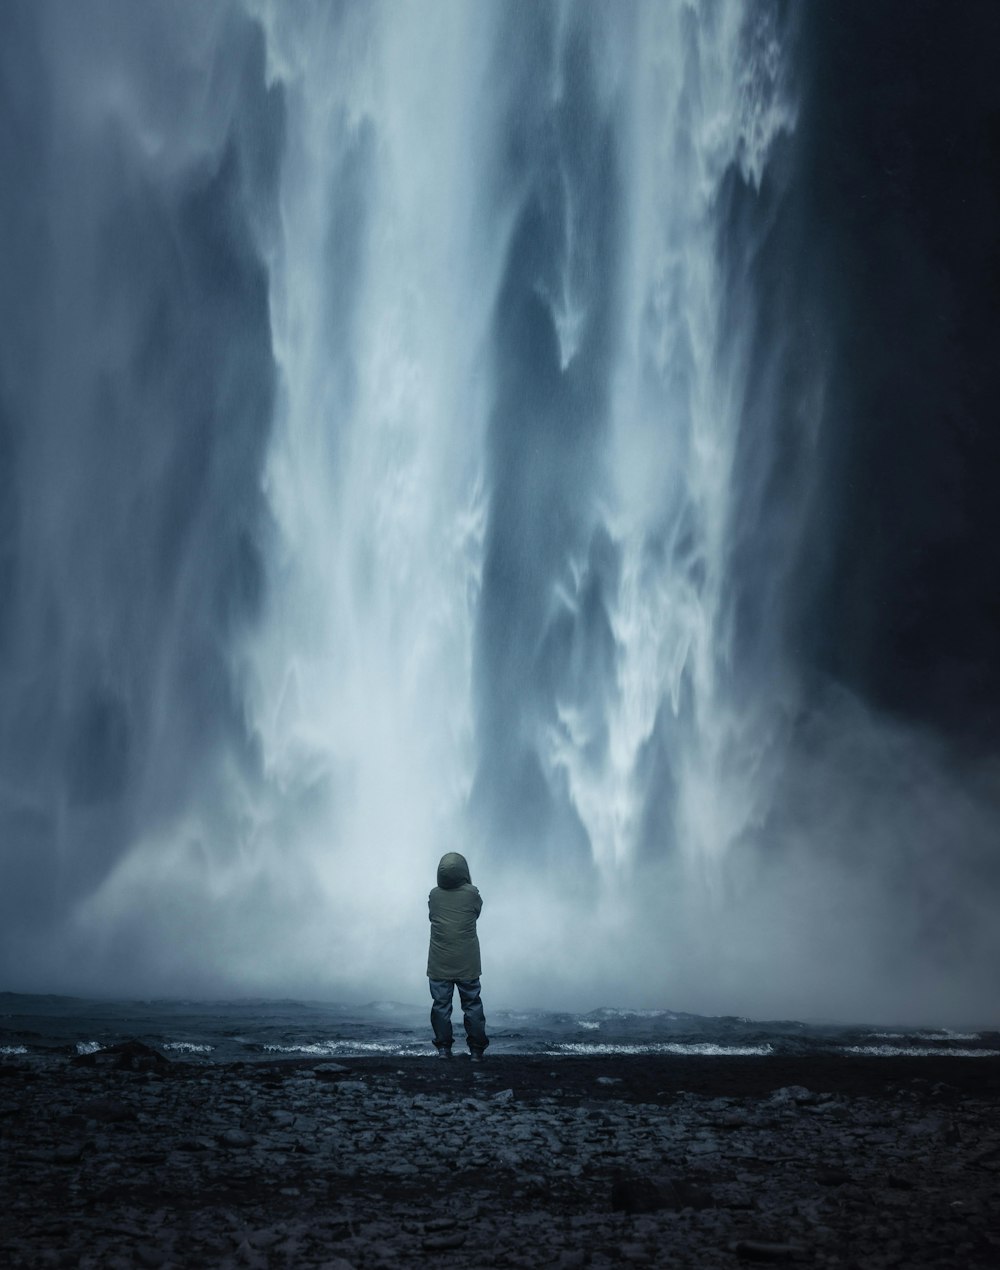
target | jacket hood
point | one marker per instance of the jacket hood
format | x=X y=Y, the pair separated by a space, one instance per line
x=452 y=871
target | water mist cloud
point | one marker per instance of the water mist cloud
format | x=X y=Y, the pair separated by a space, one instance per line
x=477 y=427
x=137 y=401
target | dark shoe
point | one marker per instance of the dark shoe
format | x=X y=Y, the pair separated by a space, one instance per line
x=443 y=1053
x=477 y=1056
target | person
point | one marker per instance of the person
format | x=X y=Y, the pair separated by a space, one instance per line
x=453 y=959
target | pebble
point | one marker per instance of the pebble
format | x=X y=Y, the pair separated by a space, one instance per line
x=381 y=1164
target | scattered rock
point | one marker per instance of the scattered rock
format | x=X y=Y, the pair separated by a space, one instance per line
x=112 y=1168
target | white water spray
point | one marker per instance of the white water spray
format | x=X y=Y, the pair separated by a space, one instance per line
x=384 y=278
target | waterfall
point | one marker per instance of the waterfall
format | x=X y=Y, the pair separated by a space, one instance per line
x=502 y=471
x=431 y=427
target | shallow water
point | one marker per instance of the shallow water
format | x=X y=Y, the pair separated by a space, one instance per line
x=248 y=1030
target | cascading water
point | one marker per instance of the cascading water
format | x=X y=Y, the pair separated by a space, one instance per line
x=412 y=438
x=501 y=473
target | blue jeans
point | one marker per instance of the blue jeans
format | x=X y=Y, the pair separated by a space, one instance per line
x=443 y=991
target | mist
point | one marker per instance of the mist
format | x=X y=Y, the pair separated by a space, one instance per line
x=561 y=433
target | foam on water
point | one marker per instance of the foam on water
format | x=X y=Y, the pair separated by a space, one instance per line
x=240 y=1031
x=344 y=1049
x=703 y=1049
x=918 y=1051
x=943 y=1035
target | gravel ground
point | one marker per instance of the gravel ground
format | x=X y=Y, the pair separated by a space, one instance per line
x=124 y=1159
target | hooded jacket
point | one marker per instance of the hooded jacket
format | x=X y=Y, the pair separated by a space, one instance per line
x=453 y=907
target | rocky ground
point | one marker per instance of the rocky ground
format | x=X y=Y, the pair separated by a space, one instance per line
x=124 y=1159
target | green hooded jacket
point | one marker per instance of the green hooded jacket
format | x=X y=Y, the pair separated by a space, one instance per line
x=453 y=906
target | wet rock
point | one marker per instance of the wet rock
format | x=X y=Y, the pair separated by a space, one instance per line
x=631 y=1194
x=791 y=1095
x=107 y=1111
x=146 y=1255
x=236 y=1138
x=68 y=1153
x=833 y=1177
x=762 y=1250
x=330 y=1071
x=444 y=1242
x=131 y=1056
x=406 y=1158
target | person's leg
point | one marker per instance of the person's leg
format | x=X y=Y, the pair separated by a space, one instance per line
x=442 y=991
x=475 y=1018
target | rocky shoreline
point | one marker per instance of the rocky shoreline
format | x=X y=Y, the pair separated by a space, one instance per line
x=124 y=1159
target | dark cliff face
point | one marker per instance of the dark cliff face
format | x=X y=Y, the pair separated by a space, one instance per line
x=898 y=182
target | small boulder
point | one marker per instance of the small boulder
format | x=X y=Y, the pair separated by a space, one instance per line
x=833 y=1177
x=444 y=1242
x=762 y=1250
x=128 y=1056
x=330 y=1071
x=107 y=1111
x=650 y=1195
x=236 y=1138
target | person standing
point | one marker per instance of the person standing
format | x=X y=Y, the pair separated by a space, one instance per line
x=453 y=959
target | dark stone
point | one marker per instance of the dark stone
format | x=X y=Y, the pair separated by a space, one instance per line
x=761 y=1250
x=236 y=1138
x=833 y=1177
x=129 y=1056
x=107 y=1110
x=330 y=1071
x=646 y=1195
x=444 y=1243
